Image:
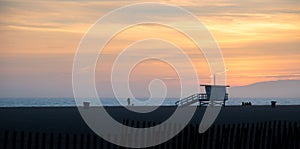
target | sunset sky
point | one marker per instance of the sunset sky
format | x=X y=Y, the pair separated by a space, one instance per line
x=260 y=41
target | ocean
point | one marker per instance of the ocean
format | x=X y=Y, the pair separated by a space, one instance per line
x=70 y=102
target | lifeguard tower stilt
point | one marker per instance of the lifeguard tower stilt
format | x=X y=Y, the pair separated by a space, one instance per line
x=214 y=94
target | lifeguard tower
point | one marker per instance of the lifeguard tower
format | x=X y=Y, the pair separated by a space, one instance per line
x=214 y=94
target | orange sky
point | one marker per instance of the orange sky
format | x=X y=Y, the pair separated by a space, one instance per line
x=260 y=41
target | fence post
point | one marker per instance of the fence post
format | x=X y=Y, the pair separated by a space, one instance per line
x=22 y=140
x=14 y=140
x=67 y=141
x=59 y=141
x=251 y=136
x=36 y=140
x=29 y=141
x=51 y=140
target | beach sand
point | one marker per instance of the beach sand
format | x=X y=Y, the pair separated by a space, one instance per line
x=67 y=120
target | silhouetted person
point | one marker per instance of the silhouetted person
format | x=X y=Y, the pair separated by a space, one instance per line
x=128 y=101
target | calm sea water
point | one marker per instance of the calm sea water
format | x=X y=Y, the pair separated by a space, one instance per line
x=69 y=102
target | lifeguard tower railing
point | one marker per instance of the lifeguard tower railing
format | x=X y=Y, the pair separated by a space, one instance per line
x=202 y=98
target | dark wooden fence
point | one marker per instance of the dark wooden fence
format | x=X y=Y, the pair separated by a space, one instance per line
x=265 y=135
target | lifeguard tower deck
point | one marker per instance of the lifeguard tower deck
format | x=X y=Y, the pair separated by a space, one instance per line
x=214 y=94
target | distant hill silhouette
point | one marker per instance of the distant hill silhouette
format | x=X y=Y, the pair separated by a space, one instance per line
x=270 y=89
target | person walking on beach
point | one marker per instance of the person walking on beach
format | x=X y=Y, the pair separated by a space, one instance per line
x=128 y=101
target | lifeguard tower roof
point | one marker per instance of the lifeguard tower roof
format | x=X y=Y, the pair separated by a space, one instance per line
x=214 y=85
